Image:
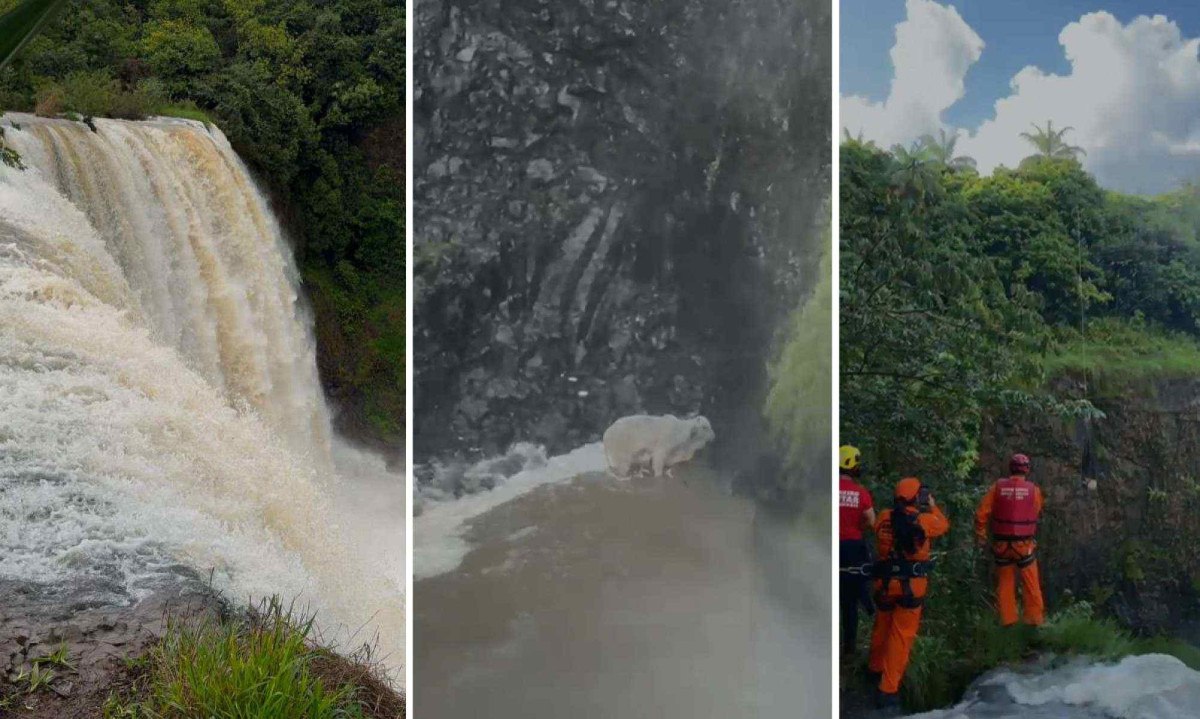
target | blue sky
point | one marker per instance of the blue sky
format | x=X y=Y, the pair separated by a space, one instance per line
x=1016 y=32
x=1141 y=130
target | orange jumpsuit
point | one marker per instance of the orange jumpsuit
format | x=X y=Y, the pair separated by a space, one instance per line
x=1008 y=554
x=896 y=628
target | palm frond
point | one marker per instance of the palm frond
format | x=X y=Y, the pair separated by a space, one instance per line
x=20 y=24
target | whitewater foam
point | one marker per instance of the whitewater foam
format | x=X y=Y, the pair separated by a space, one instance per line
x=439 y=542
x=1150 y=686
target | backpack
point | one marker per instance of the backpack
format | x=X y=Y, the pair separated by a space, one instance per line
x=907 y=533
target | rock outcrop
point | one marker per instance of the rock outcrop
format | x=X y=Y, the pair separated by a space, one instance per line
x=615 y=204
x=91 y=642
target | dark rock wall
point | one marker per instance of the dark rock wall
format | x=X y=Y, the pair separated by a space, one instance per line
x=616 y=203
x=1132 y=544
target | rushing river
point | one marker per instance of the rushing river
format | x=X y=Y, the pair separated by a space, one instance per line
x=162 y=417
x=565 y=592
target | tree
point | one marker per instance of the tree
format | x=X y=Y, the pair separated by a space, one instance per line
x=915 y=173
x=940 y=149
x=930 y=336
x=1051 y=143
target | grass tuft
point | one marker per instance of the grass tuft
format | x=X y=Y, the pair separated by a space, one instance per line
x=1075 y=630
x=185 y=110
x=263 y=666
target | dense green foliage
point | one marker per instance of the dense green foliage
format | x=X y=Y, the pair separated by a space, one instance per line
x=962 y=297
x=311 y=94
x=961 y=294
x=798 y=406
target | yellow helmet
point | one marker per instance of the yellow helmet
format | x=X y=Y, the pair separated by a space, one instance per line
x=848 y=457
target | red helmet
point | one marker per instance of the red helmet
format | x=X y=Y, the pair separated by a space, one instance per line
x=1018 y=464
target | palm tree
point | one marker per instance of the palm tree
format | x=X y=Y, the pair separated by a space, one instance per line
x=1050 y=143
x=941 y=150
x=915 y=172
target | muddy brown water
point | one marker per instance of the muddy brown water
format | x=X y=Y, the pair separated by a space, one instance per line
x=642 y=598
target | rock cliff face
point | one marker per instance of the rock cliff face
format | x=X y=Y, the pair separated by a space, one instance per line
x=615 y=204
x=1131 y=544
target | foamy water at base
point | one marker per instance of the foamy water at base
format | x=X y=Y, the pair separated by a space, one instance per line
x=439 y=543
x=1151 y=686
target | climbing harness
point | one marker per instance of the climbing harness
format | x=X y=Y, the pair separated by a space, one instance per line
x=1006 y=557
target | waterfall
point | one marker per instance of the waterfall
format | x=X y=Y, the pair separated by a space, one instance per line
x=207 y=269
x=160 y=413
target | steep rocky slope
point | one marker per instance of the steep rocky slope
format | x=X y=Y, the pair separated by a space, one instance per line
x=615 y=204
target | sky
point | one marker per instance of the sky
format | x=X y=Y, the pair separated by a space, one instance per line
x=1124 y=74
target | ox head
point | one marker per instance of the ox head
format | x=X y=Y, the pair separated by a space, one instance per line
x=701 y=432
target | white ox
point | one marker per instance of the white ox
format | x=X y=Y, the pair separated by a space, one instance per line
x=661 y=442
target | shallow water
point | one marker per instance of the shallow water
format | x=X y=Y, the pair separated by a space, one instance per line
x=609 y=598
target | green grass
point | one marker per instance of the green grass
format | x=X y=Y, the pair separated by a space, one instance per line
x=1076 y=631
x=261 y=667
x=1123 y=350
x=187 y=111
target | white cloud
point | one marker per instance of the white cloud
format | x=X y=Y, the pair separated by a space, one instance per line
x=934 y=49
x=1132 y=95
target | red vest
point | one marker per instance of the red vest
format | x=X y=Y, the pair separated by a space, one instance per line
x=1014 y=510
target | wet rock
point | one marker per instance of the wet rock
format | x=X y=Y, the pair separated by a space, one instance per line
x=583 y=233
x=592 y=177
x=540 y=169
x=36 y=624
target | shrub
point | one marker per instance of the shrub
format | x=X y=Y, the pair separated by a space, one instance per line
x=90 y=93
x=48 y=99
x=128 y=105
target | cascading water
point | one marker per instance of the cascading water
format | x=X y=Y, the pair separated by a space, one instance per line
x=1151 y=686
x=203 y=259
x=161 y=413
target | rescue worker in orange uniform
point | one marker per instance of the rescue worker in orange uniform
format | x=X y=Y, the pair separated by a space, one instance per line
x=903 y=536
x=1009 y=512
